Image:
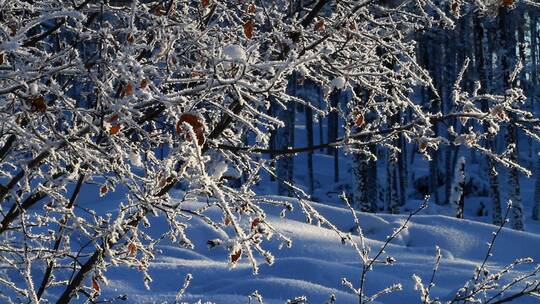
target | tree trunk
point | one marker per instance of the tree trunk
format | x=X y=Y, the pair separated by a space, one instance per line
x=309 y=131
x=457 y=199
x=507 y=49
x=284 y=140
x=514 y=193
x=360 y=183
x=536 y=204
x=333 y=123
x=483 y=77
x=320 y=118
x=373 y=181
x=402 y=171
x=272 y=144
x=392 y=204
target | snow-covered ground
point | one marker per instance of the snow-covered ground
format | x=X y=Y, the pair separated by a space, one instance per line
x=317 y=261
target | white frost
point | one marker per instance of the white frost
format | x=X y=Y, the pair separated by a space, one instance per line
x=135 y=159
x=33 y=88
x=234 y=52
x=219 y=170
x=338 y=83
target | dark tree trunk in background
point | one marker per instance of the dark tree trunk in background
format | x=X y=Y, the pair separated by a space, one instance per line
x=373 y=181
x=332 y=120
x=309 y=131
x=284 y=140
x=449 y=75
x=392 y=203
x=320 y=118
x=360 y=183
x=364 y=173
x=507 y=55
x=402 y=171
x=480 y=62
x=435 y=105
x=336 y=165
x=523 y=82
x=533 y=16
x=496 y=210
x=272 y=144
x=392 y=196
x=536 y=203
x=458 y=197
x=514 y=192
x=333 y=125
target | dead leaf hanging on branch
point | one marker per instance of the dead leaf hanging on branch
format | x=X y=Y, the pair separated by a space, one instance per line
x=95 y=285
x=38 y=104
x=235 y=257
x=319 y=25
x=248 y=29
x=195 y=122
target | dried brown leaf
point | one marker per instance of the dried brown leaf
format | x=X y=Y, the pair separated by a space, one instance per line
x=248 y=29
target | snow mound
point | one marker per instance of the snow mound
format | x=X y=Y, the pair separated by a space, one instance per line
x=317 y=261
